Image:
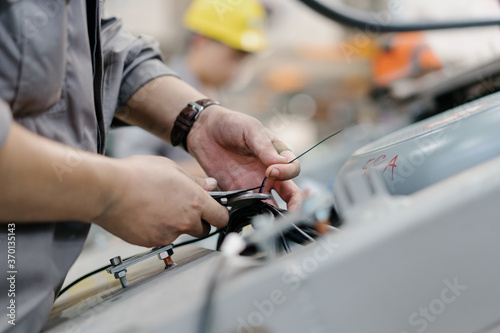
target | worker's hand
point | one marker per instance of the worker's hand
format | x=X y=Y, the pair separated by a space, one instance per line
x=238 y=151
x=155 y=201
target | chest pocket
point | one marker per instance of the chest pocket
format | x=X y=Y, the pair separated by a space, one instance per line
x=36 y=49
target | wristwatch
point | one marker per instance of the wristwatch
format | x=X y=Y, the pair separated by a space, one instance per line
x=186 y=119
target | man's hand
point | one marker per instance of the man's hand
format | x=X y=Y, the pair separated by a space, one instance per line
x=238 y=151
x=145 y=200
x=158 y=201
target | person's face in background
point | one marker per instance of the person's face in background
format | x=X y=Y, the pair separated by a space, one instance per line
x=215 y=63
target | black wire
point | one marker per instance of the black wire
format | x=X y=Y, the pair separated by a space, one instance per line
x=364 y=20
x=328 y=137
x=241 y=217
x=83 y=277
x=261 y=187
x=233 y=193
x=197 y=239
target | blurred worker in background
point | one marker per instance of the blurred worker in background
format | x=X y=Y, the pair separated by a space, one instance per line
x=403 y=55
x=220 y=41
x=401 y=61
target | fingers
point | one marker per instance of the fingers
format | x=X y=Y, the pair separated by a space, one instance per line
x=261 y=143
x=200 y=229
x=210 y=211
x=280 y=146
x=208 y=184
x=276 y=155
x=291 y=193
x=280 y=169
x=284 y=171
x=214 y=213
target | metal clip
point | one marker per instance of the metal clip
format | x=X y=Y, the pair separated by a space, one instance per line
x=119 y=267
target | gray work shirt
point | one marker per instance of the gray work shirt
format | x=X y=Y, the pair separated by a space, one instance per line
x=62 y=75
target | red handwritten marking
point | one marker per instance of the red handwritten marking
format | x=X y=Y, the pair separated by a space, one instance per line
x=374 y=162
x=383 y=159
x=392 y=164
x=365 y=168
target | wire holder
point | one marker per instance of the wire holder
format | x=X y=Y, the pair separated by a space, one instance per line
x=119 y=267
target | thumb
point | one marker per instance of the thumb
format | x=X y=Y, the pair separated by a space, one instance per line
x=208 y=184
x=262 y=146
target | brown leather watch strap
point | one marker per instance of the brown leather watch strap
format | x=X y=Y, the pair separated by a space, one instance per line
x=186 y=119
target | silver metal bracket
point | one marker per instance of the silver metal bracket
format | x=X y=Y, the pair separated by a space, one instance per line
x=231 y=198
x=119 y=267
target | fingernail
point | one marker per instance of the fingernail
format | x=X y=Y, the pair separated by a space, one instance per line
x=273 y=174
x=211 y=183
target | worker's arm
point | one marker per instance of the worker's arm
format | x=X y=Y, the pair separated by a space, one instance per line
x=146 y=201
x=232 y=147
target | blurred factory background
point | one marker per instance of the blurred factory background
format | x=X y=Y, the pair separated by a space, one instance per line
x=317 y=76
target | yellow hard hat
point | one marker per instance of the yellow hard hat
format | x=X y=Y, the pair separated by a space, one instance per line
x=236 y=23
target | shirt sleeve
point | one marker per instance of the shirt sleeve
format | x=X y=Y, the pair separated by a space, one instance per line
x=129 y=63
x=5 y=121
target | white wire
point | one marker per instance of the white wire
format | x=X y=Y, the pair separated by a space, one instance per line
x=302 y=232
x=332 y=227
x=295 y=226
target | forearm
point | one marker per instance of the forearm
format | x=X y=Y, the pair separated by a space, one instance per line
x=155 y=106
x=42 y=180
